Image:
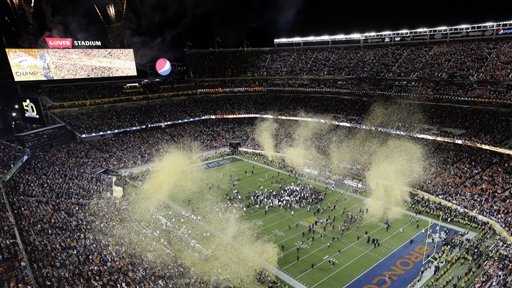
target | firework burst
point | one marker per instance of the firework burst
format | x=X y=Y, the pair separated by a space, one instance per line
x=110 y=10
x=26 y=6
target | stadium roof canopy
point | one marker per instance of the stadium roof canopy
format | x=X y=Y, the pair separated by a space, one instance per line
x=442 y=32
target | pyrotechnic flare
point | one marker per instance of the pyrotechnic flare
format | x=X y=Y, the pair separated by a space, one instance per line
x=14 y=4
x=124 y=7
x=110 y=9
x=265 y=136
x=18 y=4
x=394 y=168
x=99 y=13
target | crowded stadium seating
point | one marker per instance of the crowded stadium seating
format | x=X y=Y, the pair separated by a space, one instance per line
x=49 y=200
x=12 y=265
x=10 y=154
x=466 y=69
x=487 y=125
x=58 y=193
x=461 y=60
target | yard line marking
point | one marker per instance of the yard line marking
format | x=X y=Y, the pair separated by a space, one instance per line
x=322 y=183
x=295 y=235
x=288 y=215
x=339 y=253
x=319 y=181
x=272 y=214
x=384 y=258
x=323 y=246
x=285 y=277
x=265 y=227
x=320 y=239
x=299 y=233
x=353 y=260
x=295 y=247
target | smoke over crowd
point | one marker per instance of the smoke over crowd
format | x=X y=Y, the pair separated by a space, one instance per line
x=187 y=212
x=265 y=135
x=394 y=167
x=391 y=166
x=302 y=152
x=182 y=212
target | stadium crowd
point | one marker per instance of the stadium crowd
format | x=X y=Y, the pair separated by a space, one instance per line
x=60 y=201
x=490 y=126
x=473 y=255
x=484 y=253
x=474 y=69
x=10 y=155
x=475 y=179
x=482 y=177
x=13 y=268
x=469 y=70
x=52 y=203
x=69 y=246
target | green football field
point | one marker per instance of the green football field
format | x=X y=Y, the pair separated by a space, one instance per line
x=309 y=264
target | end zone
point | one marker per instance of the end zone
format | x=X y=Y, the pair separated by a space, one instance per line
x=403 y=265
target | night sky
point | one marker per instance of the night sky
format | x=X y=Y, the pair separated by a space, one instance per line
x=260 y=21
x=158 y=26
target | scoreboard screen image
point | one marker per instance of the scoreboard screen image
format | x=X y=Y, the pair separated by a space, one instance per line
x=62 y=64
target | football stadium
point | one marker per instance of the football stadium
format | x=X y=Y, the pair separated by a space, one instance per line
x=263 y=144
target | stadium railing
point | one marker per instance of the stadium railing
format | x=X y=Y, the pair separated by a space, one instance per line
x=17 y=165
x=308 y=119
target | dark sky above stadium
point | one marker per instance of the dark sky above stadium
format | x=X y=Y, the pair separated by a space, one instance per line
x=167 y=25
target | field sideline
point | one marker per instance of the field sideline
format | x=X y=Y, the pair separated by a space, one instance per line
x=309 y=265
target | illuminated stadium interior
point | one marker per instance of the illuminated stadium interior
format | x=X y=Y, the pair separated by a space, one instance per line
x=200 y=144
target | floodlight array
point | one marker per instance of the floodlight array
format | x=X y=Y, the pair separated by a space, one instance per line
x=489 y=26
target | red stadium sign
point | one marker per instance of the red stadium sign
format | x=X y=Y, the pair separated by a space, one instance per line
x=59 y=43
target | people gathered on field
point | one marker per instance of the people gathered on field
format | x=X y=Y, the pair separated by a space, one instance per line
x=52 y=194
x=288 y=197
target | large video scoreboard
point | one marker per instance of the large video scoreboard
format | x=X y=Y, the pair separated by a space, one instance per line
x=62 y=64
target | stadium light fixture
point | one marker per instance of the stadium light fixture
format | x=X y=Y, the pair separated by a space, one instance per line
x=361 y=36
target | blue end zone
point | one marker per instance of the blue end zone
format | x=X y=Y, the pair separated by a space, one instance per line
x=218 y=163
x=399 y=269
